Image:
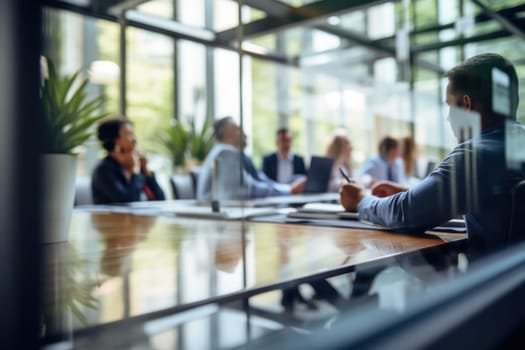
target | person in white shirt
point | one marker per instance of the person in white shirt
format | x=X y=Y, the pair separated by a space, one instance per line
x=387 y=165
x=220 y=174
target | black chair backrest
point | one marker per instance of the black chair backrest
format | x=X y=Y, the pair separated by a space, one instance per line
x=182 y=186
x=516 y=231
x=194 y=172
x=83 y=191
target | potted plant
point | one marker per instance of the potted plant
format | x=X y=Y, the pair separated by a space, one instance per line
x=201 y=141
x=175 y=141
x=69 y=115
x=187 y=146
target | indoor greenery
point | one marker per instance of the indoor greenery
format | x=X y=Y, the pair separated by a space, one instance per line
x=187 y=142
x=201 y=141
x=175 y=141
x=69 y=113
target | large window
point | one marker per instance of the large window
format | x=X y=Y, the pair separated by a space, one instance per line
x=332 y=81
x=150 y=97
x=75 y=42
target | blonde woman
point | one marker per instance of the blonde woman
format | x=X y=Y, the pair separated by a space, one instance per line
x=408 y=155
x=340 y=149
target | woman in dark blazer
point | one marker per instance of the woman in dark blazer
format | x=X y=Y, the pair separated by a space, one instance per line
x=123 y=175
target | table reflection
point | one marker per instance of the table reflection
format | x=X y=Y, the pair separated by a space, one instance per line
x=318 y=304
x=67 y=291
x=121 y=234
x=131 y=266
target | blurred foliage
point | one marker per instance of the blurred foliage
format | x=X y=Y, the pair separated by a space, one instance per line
x=183 y=142
x=200 y=141
x=69 y=113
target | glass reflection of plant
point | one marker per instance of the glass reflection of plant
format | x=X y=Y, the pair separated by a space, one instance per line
x=79 y=291
x=64 y=290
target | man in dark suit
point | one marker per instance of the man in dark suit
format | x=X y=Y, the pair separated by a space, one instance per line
x=283 y=166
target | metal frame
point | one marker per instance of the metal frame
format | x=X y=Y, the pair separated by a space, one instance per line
x=505 y=23
x=62 y=5
x=281 y=16
x=304 y=15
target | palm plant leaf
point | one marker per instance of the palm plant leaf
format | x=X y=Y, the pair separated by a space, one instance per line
x=175 y=141
x=201 y=141
x=69 y=113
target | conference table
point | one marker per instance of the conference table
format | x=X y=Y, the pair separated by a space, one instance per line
x=119 y=267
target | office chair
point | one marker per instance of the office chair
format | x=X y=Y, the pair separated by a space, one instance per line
x=194 y=172
x=83 y=193
x=182 y=186
x=516 y=229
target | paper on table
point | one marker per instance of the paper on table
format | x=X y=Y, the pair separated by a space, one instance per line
x=327 y=211
x=224 y=213
x=322 y=207
x=452 y=226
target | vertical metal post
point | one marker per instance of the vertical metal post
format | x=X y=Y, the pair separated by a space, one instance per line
x=122 y=62
x=309 y=100
x=176 y=104
x=461 y=48
x=282 y=82
x=410 y=68
x=239 y=38
x=210 y=67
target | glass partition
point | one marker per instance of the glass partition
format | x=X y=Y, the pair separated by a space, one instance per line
x=248 y=133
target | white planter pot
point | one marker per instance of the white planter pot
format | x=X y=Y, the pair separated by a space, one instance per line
x=58 y=195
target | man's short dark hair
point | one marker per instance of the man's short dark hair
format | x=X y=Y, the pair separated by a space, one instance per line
x=282 y=130
x=474 y=78
x=386 y=144
x=220 y=126
x=109 y=130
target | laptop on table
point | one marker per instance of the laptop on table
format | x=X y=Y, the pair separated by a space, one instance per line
x=318 y=176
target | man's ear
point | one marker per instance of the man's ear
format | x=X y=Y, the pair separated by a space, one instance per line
x=467 y=102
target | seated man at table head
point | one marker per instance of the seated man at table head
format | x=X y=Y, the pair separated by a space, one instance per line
x=387 y=165
x=482 y=193
x=340 y=149
x=123 y=175
x=220 y=174
x=283 y=166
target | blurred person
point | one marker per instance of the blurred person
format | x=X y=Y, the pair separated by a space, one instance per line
x=340 y=149
x=482 y=194
x=409 y=157
x=283 y=166
x=121 y=234
x=222 y=169
x=123 y=175
x=387 y=165
x=408 y=154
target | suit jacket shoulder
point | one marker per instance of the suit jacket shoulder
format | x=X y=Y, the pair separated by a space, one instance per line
x=298 y=164
x=269 y=166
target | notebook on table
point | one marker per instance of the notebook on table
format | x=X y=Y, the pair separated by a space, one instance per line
x=323 y=211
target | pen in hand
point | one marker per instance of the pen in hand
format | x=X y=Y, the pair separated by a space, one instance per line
x=343 y=173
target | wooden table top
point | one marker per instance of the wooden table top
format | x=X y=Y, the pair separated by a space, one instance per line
x=116 y=266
